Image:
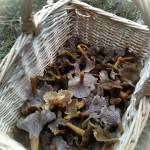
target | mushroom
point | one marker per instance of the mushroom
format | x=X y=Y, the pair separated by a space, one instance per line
x=115 y=101
x=74 y=106
x=111 y=85
x=34 y=123
x=86 y=64
x=77 y=115
x=61 y=99
x=102 y=135
x=87 y=136
x=72 y=43
x=130 y=72
x=75 y=129
x=109 y=117
x=81 y=85
x=121 y=60
x=60 y=144
x=80 y=104
x=113 y=75
x=52 y=71
x=54 y=126
x=66 y=54
x=106 y=116
x=96 y=104
x=66 y=68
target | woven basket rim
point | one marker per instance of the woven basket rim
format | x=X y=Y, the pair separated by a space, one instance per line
x=48 y=9
x=77 y=3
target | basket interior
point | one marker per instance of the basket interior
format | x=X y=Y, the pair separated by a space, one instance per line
x=34 y=54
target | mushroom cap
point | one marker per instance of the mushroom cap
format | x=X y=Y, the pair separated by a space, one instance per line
x=33 y=124
x=57 y=99
x=82 y=90
x=60 y=143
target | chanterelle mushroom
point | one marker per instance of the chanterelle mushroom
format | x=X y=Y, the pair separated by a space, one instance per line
x=60 y=143
x=33 y=124
x=107 y=116
x=82 y=85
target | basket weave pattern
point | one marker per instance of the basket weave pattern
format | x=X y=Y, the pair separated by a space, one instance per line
x=57 y=23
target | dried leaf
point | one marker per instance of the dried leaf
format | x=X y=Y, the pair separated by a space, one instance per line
x=80 y=89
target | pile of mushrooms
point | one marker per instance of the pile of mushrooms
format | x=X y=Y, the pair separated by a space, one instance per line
x=79 y=101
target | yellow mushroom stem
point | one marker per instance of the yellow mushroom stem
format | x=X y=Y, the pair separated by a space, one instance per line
x=34 y=142
x=82 y=51
x=59 y=132
x=83 y=47
x=77 y=115
x=121 y=60
x=76 y=129
x=111 y=66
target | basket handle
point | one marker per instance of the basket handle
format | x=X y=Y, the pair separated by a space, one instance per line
x=27 y=23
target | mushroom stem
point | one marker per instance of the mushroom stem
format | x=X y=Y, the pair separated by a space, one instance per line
x=117 y=63
x=76 y=129
x=121 y=59
x=111 y=66
x=78 y=115
x=82 y=51
x=34 y=142
x=81 y=77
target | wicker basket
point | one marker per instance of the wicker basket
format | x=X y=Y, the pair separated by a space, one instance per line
x=57 y=23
